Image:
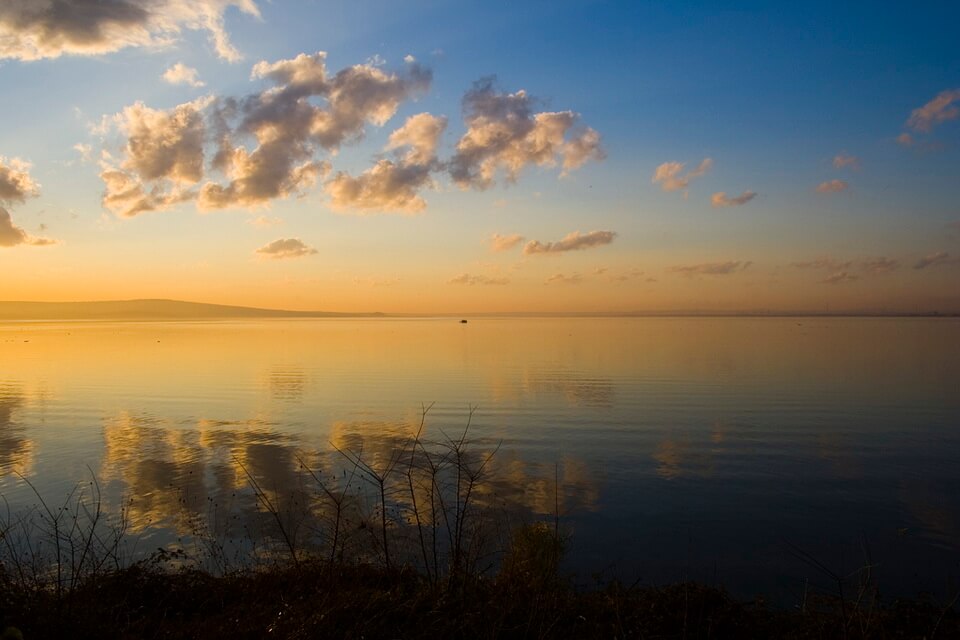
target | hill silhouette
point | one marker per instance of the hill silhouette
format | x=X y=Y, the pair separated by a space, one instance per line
x=151 y=310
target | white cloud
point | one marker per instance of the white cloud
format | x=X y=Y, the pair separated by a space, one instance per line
x=574 y=241
x=721 y=199
x=182 y=74
x=504 y=134
x=35 y=29
x=285 y=248
x=667 y=175
x=500 y=243
x=832 y=186
x=16 y=185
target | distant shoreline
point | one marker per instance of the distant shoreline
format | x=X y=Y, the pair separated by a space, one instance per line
x=176 y=310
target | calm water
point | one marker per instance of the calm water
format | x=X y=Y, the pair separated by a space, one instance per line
x=684 y=448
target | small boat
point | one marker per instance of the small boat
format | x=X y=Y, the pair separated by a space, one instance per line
x=463 y=322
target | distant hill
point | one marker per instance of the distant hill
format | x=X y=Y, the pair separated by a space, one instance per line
x=151 y=310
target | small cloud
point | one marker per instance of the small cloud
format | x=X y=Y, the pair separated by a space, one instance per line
x=85 y=151
x=722 y=200
x=574 y=241
x=939 y=110
x=559 y=278
x=468 y=279
x=182 y=74
x=839 y=277
x=879 y=265
x=285 y=248
x=832 y=186
x=667 y=175
x=599 y=271
x=938 y=259
x=711 y=268
x=905 y=139
x=265 y=221
x=376 y=60
x=500 y=243
x=409 y=59
x=842 y=160
x=824 y=263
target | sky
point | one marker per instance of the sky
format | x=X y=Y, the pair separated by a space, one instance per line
x=446 y=157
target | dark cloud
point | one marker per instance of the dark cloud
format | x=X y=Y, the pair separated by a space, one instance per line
x=839 y=277
x=35 y=29
x=466 y=278
x=938 y=259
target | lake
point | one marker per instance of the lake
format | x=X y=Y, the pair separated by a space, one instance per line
x=712 y=449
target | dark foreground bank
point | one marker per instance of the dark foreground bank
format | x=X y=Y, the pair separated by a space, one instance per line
x=316 y=600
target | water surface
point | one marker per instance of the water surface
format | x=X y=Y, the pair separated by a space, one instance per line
x=702 y=448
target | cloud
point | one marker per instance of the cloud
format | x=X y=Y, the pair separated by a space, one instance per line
x=905 y=139
x=839 y=277
x=504 y=134
x=722 y=200
x=285 y=248
x=36 y=29
x=288 y=129
x=667 y=175
x=824 y=263
x=832 y=186
x=939 y=110
x=169 y=154
x=938 y=259
x=842 y=160
x=16 y=185
x=711 y=268
x=559 y=278
x=505 y=243
x=468 y=279
x=394 y=185
x=182 y=74
x=163 y=156
x=574 y=241
x=879 y=265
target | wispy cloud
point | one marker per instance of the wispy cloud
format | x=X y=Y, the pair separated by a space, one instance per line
x=505 y=134
x=285 y=248
x=839 y=277
x=842 y=160
x=721 y=199
x=879 y=265
x=711 y=268
x=574 y=241
x=668 y=175
x=35 y=29
x=939 y=110
x=469 y=279
x=182 y=74
x=560 y=278
x=905 y=139
x=505 y=243
x=938 y=259
x=823 y=263
x=832 y=186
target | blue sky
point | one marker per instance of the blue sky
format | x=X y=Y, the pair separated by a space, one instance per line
x=771 y=94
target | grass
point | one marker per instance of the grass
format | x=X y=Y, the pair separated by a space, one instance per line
x=407 y=544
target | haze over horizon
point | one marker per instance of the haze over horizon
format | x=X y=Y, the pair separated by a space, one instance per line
x=578 y=157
